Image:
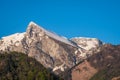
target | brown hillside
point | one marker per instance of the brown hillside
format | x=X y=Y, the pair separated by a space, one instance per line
x=105 y=65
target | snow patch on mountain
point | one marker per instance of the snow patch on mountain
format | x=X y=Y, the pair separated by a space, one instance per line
x=61 y=67
x=87 y=43
x=14 y=39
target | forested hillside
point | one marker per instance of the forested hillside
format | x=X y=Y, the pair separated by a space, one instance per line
x=18 y=66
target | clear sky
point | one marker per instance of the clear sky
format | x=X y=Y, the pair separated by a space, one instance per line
x=69 y=18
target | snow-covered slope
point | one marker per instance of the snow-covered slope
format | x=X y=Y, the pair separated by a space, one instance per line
x=89 y=47
x=87 y=43
x=14 y=39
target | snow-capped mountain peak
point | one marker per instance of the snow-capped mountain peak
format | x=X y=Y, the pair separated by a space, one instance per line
x=51 y=34
x=31 y=22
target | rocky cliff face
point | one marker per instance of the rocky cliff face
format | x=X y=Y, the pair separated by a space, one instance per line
x=51 y=52
x=54 y=52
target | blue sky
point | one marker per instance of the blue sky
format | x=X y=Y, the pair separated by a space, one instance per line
x=70 y=18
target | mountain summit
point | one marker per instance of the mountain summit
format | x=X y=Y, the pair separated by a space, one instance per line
x=51 y=50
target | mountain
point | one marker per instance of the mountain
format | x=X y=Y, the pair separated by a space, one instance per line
x=78 y=58
x=55 y=52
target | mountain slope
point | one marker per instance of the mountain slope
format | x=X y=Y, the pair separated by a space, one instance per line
x=107 y=61
x=104 y=65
